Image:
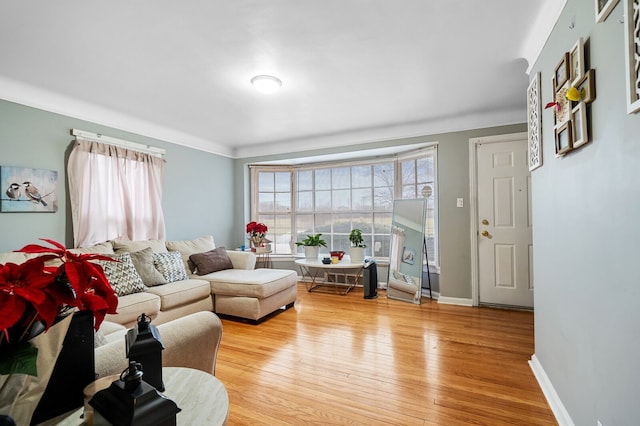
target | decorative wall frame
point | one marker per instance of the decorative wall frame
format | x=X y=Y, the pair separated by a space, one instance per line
x=576 y=62
x=28 y=190
x=563 y=107
x=604 y=8
x=579 y=130
x=632 y=57
x=587 y=86
x=563 y=139
x=571 y=116
x=561 y=73
x=534 y=114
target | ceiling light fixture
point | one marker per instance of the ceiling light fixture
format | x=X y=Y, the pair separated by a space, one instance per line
x=266 y=83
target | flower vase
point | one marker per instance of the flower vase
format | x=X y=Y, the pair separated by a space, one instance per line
x=20 y=393
x=256 y=241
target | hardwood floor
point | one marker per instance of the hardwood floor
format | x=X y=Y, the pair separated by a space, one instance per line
x=336 y=360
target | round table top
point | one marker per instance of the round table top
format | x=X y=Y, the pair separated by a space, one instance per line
x=342 y=264
x=202 y=398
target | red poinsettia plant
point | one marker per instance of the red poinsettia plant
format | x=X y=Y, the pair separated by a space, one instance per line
x=33 y=294
x=257 y=231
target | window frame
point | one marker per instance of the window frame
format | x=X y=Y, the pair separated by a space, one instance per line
x=396 y=159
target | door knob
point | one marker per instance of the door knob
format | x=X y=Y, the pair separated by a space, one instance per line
x=485 y=234
x=485 y=222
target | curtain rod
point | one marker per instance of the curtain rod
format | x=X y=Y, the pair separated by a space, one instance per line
x=97 y=137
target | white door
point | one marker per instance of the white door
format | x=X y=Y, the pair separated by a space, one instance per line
x=505 y=249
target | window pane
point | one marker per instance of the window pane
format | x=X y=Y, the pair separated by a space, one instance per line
x=283 y=181
x=265 y=181
x=408 y=172
x=341 y=177
x=363 y=222
x=382 y=223
x=265 y=200
x=304 y=225
x=305 y=180
x=323 y=200
x=361 y=176
x=362 y=199
x=383 y=175
x=305 y=201
x=383 y=198
x=323 y=223
x=341 y=199
x=323 y=179
x=283 y=202
x=408 y=191
x=342 y=223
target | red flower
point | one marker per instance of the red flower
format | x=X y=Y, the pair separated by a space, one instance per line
x=26 y=285
x=255 y=228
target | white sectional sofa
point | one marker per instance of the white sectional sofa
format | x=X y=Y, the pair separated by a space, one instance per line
x=240 y=291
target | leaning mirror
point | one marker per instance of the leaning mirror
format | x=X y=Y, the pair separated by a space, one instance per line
x=407 y=250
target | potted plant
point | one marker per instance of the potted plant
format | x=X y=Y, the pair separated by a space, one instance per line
x=356 y=252
x=312 y=246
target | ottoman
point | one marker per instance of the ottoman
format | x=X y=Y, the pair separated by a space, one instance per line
x=253 y=293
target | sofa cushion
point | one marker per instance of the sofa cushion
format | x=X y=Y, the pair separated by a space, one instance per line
x=121 y=246
x=181 y=293
x=211 y=261
x=13 y=257
x=170 y=266
x=101 y=248
x=189 y=247
x=259 y=283
x=132 y=305
x=143 y=261
x=122 y=275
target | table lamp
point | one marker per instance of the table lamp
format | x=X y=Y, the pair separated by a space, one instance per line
x=144 y=346
x=132 y=402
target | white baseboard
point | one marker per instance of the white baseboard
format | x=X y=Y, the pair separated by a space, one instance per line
x=455 y=301
x=562 y=415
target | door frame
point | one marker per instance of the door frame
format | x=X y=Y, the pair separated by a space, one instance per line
x=473 y=203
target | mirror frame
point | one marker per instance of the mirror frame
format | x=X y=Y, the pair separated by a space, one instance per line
x=407 y=252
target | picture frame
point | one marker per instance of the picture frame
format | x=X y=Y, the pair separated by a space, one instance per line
x=563 y=109
x=587 y=86
x=563 y=139
x=576 y=62
x=579 y=130
x=632 y=62
x=534 y=114
x=408 y=255
x=561 y=72
x=29 y=190
x=604 y=8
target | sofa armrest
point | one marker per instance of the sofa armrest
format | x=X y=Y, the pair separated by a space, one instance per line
x=191 y=341
x=242 y=259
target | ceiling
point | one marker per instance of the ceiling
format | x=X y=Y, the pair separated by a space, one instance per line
x=353 y=71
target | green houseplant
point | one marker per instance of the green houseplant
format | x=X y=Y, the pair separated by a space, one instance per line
x=356 y=252
x=312 y=246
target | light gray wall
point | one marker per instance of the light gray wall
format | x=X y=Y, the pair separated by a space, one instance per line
x=453 y=182
x=198 y=186
x=586 y=218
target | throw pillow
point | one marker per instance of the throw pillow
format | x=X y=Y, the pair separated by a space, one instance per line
x=170 y=265
x=211 y=261
x=122 y=275
x=143 y=261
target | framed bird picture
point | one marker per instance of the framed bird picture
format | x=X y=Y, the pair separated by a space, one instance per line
x=25 y=189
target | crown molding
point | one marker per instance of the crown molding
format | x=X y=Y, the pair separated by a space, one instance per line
x=46 y=100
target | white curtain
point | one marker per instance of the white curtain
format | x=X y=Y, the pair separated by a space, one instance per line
x=115 y=193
